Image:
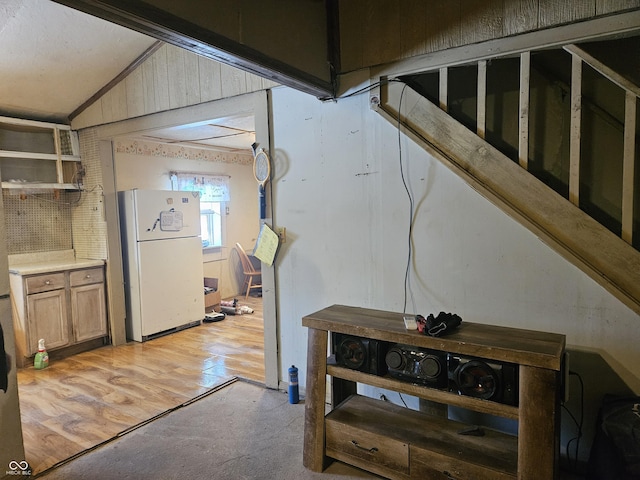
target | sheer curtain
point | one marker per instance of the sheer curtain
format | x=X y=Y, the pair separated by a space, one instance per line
x=212 y=188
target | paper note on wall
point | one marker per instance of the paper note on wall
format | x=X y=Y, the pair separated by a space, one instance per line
x=267 y=245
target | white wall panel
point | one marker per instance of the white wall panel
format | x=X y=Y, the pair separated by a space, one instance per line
x=339 y=193
x=345 y=208
x=326 y=190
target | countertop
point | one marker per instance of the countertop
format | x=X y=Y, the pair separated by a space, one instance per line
x=46 y=262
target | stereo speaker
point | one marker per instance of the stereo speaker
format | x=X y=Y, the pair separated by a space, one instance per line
x=417 y=365
x=362 y=354
x=485 y=379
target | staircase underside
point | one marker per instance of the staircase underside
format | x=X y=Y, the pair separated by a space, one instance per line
x=584 y=242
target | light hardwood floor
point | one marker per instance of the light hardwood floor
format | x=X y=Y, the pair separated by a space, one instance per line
x=84 y=400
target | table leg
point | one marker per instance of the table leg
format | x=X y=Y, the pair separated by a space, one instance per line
x=315 y=394
x=538 y=437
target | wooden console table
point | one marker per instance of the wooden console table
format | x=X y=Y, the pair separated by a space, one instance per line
x=401 y=443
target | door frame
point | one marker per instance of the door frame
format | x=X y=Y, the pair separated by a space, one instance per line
x=256 y=103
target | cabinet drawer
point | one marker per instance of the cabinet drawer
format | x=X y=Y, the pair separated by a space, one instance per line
x=460 y=465
x=44 y=283
x=366 y=449
x=87 y=276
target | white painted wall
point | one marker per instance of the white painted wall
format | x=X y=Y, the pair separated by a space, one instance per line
x=152 y=172
x=338 y=191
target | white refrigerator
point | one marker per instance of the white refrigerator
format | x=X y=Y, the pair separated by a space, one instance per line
x=162 y=258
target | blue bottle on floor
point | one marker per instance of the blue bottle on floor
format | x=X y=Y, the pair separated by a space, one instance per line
x=293 y=385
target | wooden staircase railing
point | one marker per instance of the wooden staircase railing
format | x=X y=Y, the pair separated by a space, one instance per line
x=608 y=259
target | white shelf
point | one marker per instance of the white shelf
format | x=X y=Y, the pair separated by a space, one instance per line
x=38 y=153
x=40 y=186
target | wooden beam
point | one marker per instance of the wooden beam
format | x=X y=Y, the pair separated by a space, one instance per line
x=116 y=309
x=56 y=139
x=606 y=71
x=523 y=121
x=597 y=28
x=190 y=35
x=628 y=166
x=40 y=156
x=482 y=99
x=574 y=142
x=444 y=82
x=115 y=80
x=34 y=123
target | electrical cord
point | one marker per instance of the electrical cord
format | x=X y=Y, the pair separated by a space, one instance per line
x=407 y=272
x=579 y=424
x=368 y=88
x=57 y=202
x=76 y=181
x=384 y=398
x=364 y=89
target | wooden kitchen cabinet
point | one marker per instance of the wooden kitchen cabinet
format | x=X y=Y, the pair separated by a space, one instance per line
x=400 y=443
x=88 y=307
x=46 y=310
x=47 y=317
x=38 y=155
x=65 y=308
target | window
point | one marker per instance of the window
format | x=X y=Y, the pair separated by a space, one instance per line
x=214 y=193
x=211 y=224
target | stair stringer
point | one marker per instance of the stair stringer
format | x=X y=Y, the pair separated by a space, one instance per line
x=580 y=239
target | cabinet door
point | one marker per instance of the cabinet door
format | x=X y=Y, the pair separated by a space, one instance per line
x=88 y=312
x=47 y=319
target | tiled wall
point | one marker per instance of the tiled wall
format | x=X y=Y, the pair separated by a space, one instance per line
x=89 y=225
x=38 y=222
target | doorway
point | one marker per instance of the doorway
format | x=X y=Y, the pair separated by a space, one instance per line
x=253 y=104
x=215 y=158
x=106 y=141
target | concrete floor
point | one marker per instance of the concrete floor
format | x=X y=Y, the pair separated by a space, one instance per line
x=242 y=431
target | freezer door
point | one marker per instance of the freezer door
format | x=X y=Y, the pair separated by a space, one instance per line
x=171 y=284
x=163 y=214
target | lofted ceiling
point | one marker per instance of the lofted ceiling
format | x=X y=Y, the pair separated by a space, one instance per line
x=54 y=58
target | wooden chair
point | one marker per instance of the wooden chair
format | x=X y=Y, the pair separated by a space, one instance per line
x=249 y=271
